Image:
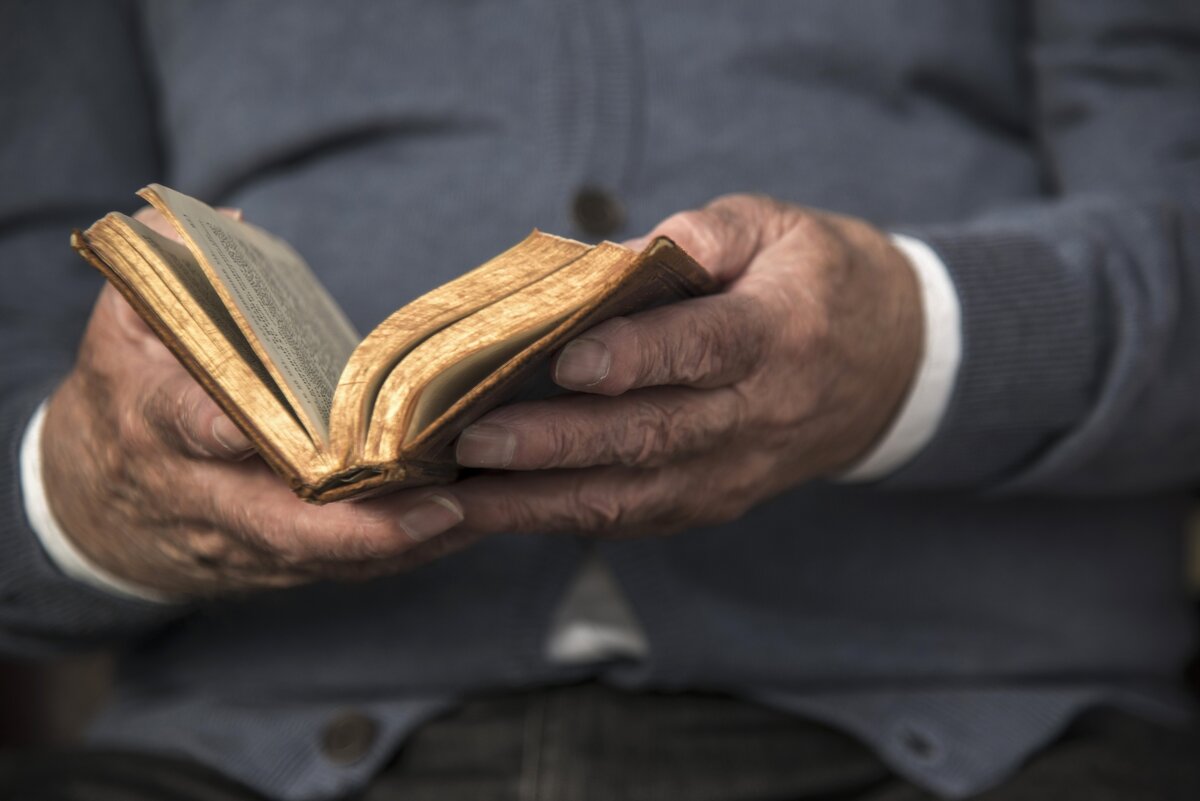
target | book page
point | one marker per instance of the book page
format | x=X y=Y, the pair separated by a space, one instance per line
x=295 y=327
x=162 y=281
x=189 y=278
x=449 y=367
x=530 y=260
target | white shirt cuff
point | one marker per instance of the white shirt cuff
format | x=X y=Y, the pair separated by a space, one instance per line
x=933 y=385
x=57 y=545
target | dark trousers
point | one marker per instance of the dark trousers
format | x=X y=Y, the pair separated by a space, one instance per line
x=590 y=743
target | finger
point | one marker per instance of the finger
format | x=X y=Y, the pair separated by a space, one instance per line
x=646 y=428
x=186 y=417
x=704 y=342
x=598 y=500
x=722 y=237
x=611 y=500
x=250 y=501
x=110 y=305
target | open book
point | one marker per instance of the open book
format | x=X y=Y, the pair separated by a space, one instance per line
x=338 y=416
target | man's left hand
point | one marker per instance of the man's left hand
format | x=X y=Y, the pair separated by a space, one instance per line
x=690 y=414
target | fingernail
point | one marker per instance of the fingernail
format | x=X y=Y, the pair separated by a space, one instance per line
x=485 y=445
x=432 y=516
x=582 y=363
x=230 y=436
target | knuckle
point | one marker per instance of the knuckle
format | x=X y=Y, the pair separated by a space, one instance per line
x=695 y=233
x=653 y=366
x=193 y=408
x=117 y=469
x=741 y=408
x=185 y=424
x=655 y=433
x=190 y=406
x=507 y=512
x=648 y=359
x=519 y=516
x=174 y=416
x=635 y=356
x=703 y=350
x=637 y=501
x=208 y=545
x=558 y=443
x=598 y=509
x=133 y=424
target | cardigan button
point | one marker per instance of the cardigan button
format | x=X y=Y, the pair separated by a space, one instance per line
x=596 y=212
x=919 y=743
x=348 y=737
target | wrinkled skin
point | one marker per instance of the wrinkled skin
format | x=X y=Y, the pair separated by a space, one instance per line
x=685 y=415
x=154 y=484
x=697 y=411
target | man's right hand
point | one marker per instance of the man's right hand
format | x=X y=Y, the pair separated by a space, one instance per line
x=153 y=483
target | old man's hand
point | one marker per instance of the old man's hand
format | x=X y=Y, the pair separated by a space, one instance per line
x=690 y=414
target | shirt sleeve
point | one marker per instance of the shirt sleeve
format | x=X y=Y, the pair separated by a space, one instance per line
x=923 y=409
x=1080 y=310
x=54 y=541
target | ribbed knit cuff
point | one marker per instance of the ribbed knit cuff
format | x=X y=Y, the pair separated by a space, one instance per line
x=41 y=609
x=1032 y=341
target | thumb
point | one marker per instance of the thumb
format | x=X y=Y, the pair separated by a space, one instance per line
x=724 y=236
x=188 y=418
